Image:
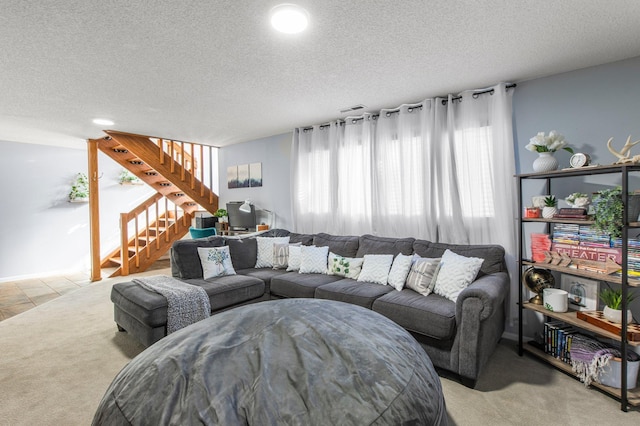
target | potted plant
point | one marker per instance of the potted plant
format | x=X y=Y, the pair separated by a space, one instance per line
x=577 y=200
x=550 y=207
x=79 y=189
x=613 y=304
x=221 y=214
x=608 y=208
x=128 y=178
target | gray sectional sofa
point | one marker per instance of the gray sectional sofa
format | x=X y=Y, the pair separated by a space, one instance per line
x=458 y=336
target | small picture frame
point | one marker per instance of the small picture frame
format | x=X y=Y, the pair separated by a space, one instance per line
x=583 y=293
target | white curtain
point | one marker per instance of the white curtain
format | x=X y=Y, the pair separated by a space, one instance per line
x=441 y=170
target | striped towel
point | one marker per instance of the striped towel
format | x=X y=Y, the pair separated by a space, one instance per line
x=589 y=356
x=186 y=303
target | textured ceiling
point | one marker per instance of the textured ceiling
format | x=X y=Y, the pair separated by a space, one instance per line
x=214 y=71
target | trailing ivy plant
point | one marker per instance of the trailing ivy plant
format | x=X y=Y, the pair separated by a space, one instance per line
x=608 y=208
x=79 y=187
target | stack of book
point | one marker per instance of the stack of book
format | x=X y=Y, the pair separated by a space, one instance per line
x=566 y=233
x=557 y=340
x=633 y=255
x=571 y=213
x=590 y=237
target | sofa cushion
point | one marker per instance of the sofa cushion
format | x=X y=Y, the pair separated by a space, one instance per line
x=264 y=274
x=293 y=284
x=493 y=255
x=433 y=316
x=185 y=262
x=346 y=246
x=243 y=251
x=422 y=276
x=352 y=291
x=150 y=308
x=399 y=271
x=370 y=244
x=305 y=239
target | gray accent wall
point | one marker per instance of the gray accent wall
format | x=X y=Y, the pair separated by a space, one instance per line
x=588 y=106
x=274 y=153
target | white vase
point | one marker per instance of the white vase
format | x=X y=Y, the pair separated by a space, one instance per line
x=545 y=162
x=548 y=212
x=615 y=315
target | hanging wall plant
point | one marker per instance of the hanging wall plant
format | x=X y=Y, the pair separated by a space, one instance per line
x=128 y=178
x=79 y=189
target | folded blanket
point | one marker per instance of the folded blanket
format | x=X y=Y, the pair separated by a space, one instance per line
x=186 y=303
x=589 y=356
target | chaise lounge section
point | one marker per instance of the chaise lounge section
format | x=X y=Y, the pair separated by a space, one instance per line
x=459 y=336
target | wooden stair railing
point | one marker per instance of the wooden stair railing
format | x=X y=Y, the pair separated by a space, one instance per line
x=170 y=167
x=177 y=171
x=155 y=226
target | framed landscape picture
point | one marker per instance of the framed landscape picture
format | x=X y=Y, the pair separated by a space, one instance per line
x=583 y=293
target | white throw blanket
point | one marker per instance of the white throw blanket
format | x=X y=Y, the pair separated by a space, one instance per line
x=186 y=303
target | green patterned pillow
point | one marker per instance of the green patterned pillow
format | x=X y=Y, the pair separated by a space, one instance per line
x=348 y=267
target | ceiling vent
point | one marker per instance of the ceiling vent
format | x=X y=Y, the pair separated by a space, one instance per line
x=353 y=108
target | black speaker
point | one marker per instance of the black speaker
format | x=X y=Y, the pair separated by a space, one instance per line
x=206 y=222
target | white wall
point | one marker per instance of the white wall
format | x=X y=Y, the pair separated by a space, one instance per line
x=41 y=233
x=274 y=153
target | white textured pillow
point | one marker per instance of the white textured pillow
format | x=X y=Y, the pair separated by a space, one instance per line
x=422 y=276
x=215 y=261
x=399 y=271
x=294 y=258
x=313 y=260
x=456 y=273
x=348 y=267
x=375 y=268
x=265 y=250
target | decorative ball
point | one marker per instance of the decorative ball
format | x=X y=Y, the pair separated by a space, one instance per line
x=536 y=280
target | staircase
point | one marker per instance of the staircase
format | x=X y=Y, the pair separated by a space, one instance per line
x=172 y=169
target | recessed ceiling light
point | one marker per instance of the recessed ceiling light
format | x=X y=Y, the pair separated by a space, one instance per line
x=289 y=18
x=103 y=122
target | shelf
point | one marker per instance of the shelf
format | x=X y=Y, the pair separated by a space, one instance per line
x=581 y=273
x=572 y=221
x=571 y=318
x=633 y=395
x=582 y=171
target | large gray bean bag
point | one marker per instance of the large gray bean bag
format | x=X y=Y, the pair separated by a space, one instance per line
x=285 y=362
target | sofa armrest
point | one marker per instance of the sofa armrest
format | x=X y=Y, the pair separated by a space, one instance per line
x=480 y=320
x=490 y=290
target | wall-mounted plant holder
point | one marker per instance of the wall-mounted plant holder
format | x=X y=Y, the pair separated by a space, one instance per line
x=128 y=178
x=79 y=189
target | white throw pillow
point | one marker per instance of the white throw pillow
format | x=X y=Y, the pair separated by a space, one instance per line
x=375 y=268
x=422 y=276
x=215 y=261
x=265 y=250
x=348 y=267
x=281 y=255
x=313 y=260
x=455 y=274
x=399 y=271
x=294 y=258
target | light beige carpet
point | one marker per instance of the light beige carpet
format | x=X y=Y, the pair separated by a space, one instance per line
x=57 y=360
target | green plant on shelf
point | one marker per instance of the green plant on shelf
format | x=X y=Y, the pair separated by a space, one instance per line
x=608 y=208
x=79 y=188
x=550 y=201
x=613 y=298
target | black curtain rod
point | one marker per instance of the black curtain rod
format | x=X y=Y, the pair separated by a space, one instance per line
x=410 y=109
